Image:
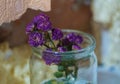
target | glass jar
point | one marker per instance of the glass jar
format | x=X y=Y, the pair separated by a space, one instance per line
x=75 y=67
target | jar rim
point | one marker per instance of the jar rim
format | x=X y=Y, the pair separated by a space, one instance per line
x=87 y=49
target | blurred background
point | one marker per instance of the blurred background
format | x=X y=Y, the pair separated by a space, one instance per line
x=101 y=18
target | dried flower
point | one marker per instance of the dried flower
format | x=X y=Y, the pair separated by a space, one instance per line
x=74 y=38
x=71 y=37
x=42 y=22
x=30 y=28
x=64 y=45
x=65 y=42
x=79 y=39
x=56 y=34
x=62 y=49
x=40 y=17
x=76 y=47
x=36 y=39
x=44 y=25
x=50 y=58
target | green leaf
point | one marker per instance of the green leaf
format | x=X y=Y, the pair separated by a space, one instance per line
x=58 y=74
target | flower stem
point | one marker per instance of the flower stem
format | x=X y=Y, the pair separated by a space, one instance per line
x=46 y=46
x=66 y=72
x=76 y=69
x=51 y=41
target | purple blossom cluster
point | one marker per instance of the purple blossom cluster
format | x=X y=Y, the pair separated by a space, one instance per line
x=50 y=58
x=56 y=34
x=36 y=39
x=36 y=29
x=70 y=42
x=75 y=38
x=40 y=32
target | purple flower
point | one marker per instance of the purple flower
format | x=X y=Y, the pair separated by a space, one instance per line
x=40 y=17
x=65 y=42
x=64 y=45
x=36 y=39
x=79 y=39
x=71 y=37
x=74 y=38
x=62 y=49
x=44 y=25
x=30 y=28
x=57 y=34
x=41 y=22
x=76 y=47
x=50 y=58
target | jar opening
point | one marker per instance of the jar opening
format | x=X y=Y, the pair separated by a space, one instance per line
x=88 y=44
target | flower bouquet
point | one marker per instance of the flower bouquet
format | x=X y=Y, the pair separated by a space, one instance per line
x=64 y=48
